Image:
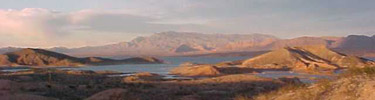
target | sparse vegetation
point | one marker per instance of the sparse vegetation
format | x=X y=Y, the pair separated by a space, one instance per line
x=347 y=86
x=77 y=85
x=369 y=71
x=269 y=95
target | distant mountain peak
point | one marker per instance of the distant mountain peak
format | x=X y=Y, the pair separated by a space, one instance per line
x=176 y=33
x=185 y=48
x=178 y=43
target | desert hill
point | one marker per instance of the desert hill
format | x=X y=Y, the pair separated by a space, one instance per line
x=357 y=45
x=354 y=84
x=196 y=70
x=40 y=57
x=306 y=57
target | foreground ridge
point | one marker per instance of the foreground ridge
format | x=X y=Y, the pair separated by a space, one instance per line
x=315 y=57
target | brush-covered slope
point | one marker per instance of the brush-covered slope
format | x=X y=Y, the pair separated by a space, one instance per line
x=40 y=57
x=306 y=57
x=347 y=87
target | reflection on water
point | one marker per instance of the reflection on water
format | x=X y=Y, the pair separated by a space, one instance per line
x=14 y=70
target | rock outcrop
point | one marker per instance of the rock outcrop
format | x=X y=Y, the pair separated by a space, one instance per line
x=40 y=57
x=143 y=76
x=196 y=70
x=305 y=58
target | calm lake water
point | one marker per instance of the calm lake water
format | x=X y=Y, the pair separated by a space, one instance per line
x=172 y=62
x=159 y=68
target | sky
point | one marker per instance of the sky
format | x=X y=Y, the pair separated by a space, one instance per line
x=76 y=23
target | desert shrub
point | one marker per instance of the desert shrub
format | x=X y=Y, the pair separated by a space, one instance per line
x=269 y=95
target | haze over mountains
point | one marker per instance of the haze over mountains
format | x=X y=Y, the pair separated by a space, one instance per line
x=173 y=43
x=188 y=43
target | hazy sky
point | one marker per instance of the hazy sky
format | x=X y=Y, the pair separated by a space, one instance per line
x=75 y=23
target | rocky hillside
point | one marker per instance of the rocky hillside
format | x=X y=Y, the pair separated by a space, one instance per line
x=357 y=45
x=40 y=57
x=305 y=58
x=8 y=49
x=358 y=86
x=196 y=70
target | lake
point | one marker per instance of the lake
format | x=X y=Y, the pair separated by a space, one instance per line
x=159 y=68
x=172 y=62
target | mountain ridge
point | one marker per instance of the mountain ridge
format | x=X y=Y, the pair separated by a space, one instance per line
x=190 y=43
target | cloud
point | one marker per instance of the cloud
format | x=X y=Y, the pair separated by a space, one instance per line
x=102 y=22
x=43 y=27
x=29 y=21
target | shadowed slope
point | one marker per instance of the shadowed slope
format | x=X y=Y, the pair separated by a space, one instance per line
x=334 y=57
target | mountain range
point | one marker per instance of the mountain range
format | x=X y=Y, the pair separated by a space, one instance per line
x=190 y=43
